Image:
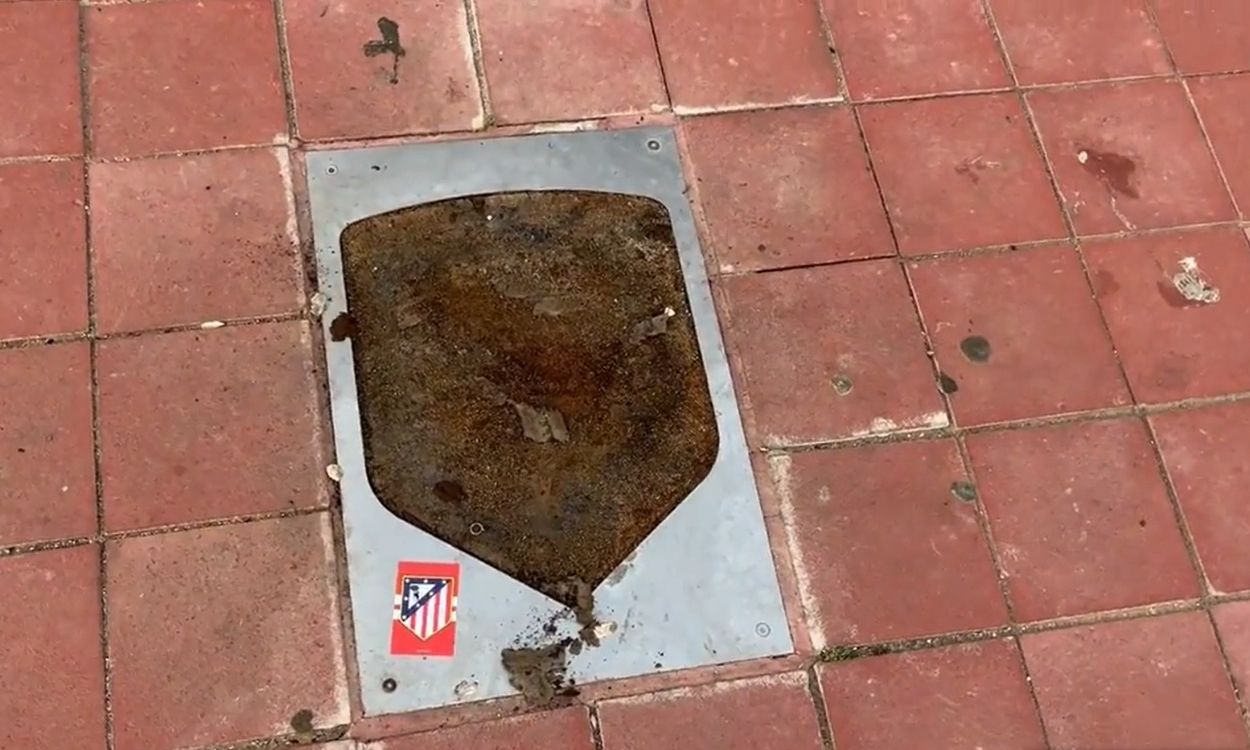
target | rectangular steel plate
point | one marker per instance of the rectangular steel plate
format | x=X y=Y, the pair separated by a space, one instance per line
x=701 y=588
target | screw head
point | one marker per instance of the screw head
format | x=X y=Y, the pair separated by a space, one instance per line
x=476 y=528
x=389 y=685
x=653 y=145
x=762 y=629
x=331 y=169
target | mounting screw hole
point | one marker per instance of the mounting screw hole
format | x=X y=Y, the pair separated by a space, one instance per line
x=476 y=528
x=762 y=630
x=389 y=685
x=331 y=170
x=653 y=145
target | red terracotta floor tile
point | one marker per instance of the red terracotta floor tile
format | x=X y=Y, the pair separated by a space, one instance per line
x=52 y=694
x=1233 y=623
x=195 y=426
x=1212 y=36
x=566 y=729
x=968 y=696
x=884 y=548
x=43 y=289
x=785 y=187
x=1173 y=347
x=39 y=81
x=1078 y=512
x=218 y=239
x=1062 y=41
x=605 y=62
x=1130 y=156
x=766 y=712
x=960 y=172
x=46 y=463
x=725 y=53
x=914 y=47
x=176 y=76
x=1224 y=104
x=348 y=85
x=1148 y=684
x=1204 y=451
x=224 y=634
x=1018 y=334
x=829 y=352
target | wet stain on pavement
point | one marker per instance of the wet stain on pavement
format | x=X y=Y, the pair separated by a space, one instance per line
x=387 y=45
x=976 y=348
x=1115 y=170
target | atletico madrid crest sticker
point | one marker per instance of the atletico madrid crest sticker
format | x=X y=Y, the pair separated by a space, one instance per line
x=424 y=619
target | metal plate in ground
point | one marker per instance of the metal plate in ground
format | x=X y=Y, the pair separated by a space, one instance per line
x=701 y=588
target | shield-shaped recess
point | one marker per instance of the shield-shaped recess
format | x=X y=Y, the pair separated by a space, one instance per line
x=530 y=383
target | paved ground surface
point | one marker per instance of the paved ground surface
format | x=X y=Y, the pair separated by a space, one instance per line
x=982 y=272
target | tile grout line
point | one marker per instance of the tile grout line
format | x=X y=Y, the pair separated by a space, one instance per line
x=816 y=694
x=596 y=727
x=1000 y=572
x=93 y=354
x=208 y=325
x=659 y=56
x=338 y=535
x=1090 y=415
x=1191 y=547
x=284 y=71
x=1074 y=239
x=1153 y=17
x=474 y=31
x=102 y=537
x=989 y=250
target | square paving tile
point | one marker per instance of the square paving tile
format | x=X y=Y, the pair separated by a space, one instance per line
x=1062 y=41
x=726 y=53
x=351 y=83
x=170 y=76
x=1130 y=156
x=1212 y=36
x=566 y=729
x=1018 y=334
x=1224 y=104
x=1078 y=512
x=829 y=352
x=218 y=239
x=39 y=81
x=203 y=425
x=961 y=172
x=47 y=467
x=884 y=548
x=1174 y=347
x=1233 y=623
x=765 y=712
x=1148 y=684
x=224 y=634
x=605 y=62
x=44 y=287
x=1204 y=451
x=785 y=187
x=968 y=696
x=915 y=47
x=52 y=695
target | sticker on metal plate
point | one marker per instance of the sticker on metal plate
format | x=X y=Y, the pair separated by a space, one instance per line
x=424 y=616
